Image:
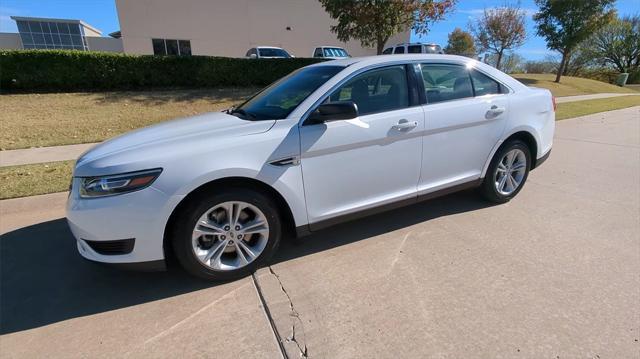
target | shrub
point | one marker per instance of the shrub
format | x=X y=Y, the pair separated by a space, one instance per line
x=64 y=70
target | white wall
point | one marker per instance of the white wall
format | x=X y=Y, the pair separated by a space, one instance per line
x=108 y=44
x=231 y=27
x=10 y=40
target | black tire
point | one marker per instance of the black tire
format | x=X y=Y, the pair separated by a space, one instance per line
x=488 y=188
x=189 y=215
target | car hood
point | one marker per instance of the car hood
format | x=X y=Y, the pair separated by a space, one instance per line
x=168 y=137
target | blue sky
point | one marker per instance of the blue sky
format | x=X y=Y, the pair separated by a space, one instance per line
x=102 y=14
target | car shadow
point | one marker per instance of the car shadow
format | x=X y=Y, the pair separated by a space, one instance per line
x=43 y=280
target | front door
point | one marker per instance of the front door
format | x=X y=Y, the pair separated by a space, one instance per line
x=351 y=165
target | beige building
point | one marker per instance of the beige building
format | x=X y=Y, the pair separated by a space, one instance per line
x=64 y=34
x=229 y=27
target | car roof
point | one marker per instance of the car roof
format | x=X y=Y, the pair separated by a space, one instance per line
x=268 y=47
x=379 y=59
x=330 y=46
x=362 y=62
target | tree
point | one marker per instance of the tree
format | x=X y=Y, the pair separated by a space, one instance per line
x=566 y=23
x=618 y=43
x=460 y=43
x=499 y=30
x=374 y=22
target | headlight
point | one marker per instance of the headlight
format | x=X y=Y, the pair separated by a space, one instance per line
x=117 y=184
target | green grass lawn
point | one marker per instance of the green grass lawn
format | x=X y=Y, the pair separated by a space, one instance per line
x=31 y=180
x=36 y=120
x=569 y=86
x=581 y=108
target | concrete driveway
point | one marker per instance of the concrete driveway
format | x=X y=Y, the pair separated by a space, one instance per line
x=555 y=273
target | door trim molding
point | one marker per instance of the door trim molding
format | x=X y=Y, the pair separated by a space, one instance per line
x=307 y=229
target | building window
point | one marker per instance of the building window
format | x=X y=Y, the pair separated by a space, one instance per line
x=51 y=35
x=171 y=47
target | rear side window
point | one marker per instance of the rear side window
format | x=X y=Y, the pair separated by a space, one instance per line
x=485 y=85
x=375 y=91
x=446 y=82
x=399 y=50
x=414 y=49
x=317 y=52
x=387 y=51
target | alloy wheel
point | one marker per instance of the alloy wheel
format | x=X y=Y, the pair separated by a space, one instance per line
x=510 y=172
x=230 y=235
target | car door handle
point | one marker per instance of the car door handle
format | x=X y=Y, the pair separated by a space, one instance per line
x=495 y=111
x=405 y=125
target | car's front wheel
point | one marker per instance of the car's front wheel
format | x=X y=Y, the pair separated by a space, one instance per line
x=507 y=172
x=227 y=235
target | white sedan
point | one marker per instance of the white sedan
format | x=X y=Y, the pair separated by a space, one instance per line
x=330 y=142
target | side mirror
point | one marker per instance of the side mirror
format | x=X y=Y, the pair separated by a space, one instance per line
x=334 y=111
x=253 y=56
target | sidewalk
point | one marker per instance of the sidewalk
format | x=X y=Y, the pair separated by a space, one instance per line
x=72 y=152
x=592 y=97
x=42 y=154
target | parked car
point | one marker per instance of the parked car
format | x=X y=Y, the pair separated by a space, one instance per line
x=414 y=48
x=330 y=142
x=267 y=52
x=330 y=52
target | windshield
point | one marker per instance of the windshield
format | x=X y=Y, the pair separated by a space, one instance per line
x=280 y=98
x=335 y=52
x=273 y=53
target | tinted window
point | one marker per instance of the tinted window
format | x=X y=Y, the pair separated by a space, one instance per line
x=399 y=50
x=334 y=52
x=376 y=90
x=74 y=29
x=172 y=47
x=273 y=53
x=279 y=99
x=484 y=85
x=317 y=52
x=23 y=26
x=185 y=47
x=433 y=49
x=446 y=82
x=158 y=47
x=414 y=49
x=387 y=51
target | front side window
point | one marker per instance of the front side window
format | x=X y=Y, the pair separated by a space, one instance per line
x=377 y=90
x=414 y=49
x=399 y=50
x=485 y=85
x=387 y=51
x=446 y=82
x=267 y=52
x=279 y=99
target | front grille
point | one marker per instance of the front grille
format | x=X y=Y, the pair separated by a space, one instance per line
x=112 y=248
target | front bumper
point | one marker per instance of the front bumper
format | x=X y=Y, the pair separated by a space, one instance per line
x=141 y=215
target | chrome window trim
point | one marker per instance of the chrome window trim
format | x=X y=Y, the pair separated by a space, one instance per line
x=317 y=103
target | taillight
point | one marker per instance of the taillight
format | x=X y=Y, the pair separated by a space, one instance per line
x=553 y=100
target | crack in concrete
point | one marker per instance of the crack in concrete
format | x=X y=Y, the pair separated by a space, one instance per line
x=295 y=317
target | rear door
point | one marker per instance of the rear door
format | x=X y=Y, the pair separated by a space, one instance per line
x=465 y=116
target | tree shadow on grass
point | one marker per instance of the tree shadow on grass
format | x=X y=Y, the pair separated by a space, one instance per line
x=43 y=280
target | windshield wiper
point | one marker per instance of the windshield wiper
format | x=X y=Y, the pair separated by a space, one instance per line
x=245 y=115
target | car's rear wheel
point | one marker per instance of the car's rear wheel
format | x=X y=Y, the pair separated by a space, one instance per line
x=507 y=172
x=227 y=235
